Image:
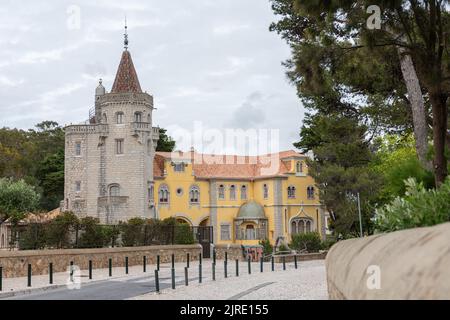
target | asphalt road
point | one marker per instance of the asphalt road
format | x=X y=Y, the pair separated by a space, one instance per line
x=104 y=290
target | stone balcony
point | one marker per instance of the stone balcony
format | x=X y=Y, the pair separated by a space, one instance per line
x=101 y=129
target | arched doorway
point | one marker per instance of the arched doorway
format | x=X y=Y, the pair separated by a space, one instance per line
x=204 y=222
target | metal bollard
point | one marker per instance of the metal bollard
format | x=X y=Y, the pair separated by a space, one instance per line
x=273 y=263
x=1 y=278
x=71 y=271
x=173 y=261
x=199 y=273
x=110 y=267
x=186 y=278
x=284 y=263
x=144 y=263
x=249 y=266
x=237 y=267
x=50 y=273
x=90 y=269
x=187 y=260
x=295 y=261
x=214 y=271
x=29 y=276
x=157 y=262
x=261 y=264
x=226 y=256
x=225 y=269
x=156 y=281
x=173 y=278
x=126 y=265
x=200 y=258
x=214 y=255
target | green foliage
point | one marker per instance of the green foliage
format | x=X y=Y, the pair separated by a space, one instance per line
x=92 y=234
x=282 y=249
x=328 y=242
x=419 y=207
x=309 y=241
x=34 y=237
x=17 y=198
x=132 y=232
x=184 y=234
x=165 y=142
x=267 y=247
x=60 y=229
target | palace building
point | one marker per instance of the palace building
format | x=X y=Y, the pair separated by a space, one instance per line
x=113 y=173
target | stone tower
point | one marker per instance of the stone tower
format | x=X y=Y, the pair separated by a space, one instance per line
x=109 y=159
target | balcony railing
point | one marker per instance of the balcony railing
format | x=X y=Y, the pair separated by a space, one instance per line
x=87 y=129
x=251 y=234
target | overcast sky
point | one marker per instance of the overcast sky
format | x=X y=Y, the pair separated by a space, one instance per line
x=212 y=61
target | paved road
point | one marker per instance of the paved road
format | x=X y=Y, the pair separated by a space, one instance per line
x=104 y=290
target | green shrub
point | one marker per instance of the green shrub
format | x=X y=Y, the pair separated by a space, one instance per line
x=34 y=237
x=328 y=242
x=132 y=232
x=60 y=228
x=184 y=234
x=282 y=248
x=309 y=241
x=419 y=207
x=92 y=235
x=267 y=247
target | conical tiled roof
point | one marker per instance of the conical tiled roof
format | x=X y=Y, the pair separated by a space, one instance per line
x=126 y=76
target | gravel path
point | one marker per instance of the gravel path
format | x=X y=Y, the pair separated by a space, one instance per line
x=306 y=282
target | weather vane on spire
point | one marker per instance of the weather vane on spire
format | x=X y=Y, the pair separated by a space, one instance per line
x=125 y=41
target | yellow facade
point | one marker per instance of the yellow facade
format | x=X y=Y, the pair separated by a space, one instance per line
x=294 y=213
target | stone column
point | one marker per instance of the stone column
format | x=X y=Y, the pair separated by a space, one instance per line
x=278 y=214
x=213 y=208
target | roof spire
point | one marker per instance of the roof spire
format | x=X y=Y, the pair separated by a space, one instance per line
x=125 y=35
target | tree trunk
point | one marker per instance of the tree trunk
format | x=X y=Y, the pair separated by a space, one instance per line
x=440 y=114
x=417 y=106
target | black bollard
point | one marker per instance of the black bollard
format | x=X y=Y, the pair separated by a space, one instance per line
x=200 y=258
x=71 y=271
x=214 y=255
x=90 y=269
x=284 y=263
x=173 y=261
x=29 y=276
x=187 y=260
x=261 y=264
x=225 y=269
x=50 y=273
x=237 y=267
x=273 y=263
x=1 y=278
x=156 y=281
x=126 y=265
x=110 y=267
x=173 y=278
x=226 y=256
x=295 y=261
x=249 y=265
x=186 y=278
x=214 y=271
x=199 y=273
x=144 y=263
x=157 y=262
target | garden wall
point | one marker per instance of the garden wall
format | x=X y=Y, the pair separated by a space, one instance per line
x=411 y=264
x=234 y=251
x=15 y=263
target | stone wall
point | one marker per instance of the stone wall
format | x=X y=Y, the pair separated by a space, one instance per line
x=302 y=257
x=15 y=263
x=234 y=251
x=411 y=264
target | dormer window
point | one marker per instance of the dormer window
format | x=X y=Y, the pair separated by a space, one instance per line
x=299 y=167
x=178 y=167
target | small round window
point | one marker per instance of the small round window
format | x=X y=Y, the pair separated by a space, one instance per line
x=179 y=191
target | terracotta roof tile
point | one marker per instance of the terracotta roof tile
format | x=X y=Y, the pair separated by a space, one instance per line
x=126 y=76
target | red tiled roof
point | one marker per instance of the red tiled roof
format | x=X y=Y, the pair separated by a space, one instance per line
x=229 y=166
x=126 y=76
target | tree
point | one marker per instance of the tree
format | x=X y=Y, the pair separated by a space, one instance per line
x=17 y=198
x=341 y=169
x=60 y=228
x=165 y=142
x=328 y=40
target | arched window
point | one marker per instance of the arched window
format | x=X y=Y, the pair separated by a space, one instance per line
x=291 y=192
x=104 y=118
x=163 y=194
x=301 y=225
x=114 y=190
x=310 y=192
x=250 y=232
x=194 y=194
x=299 y=166
x=138 y=116
x=232 y=192
x=221 y=192
x=243 y=192
x=265 y=191
x=119 y=117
